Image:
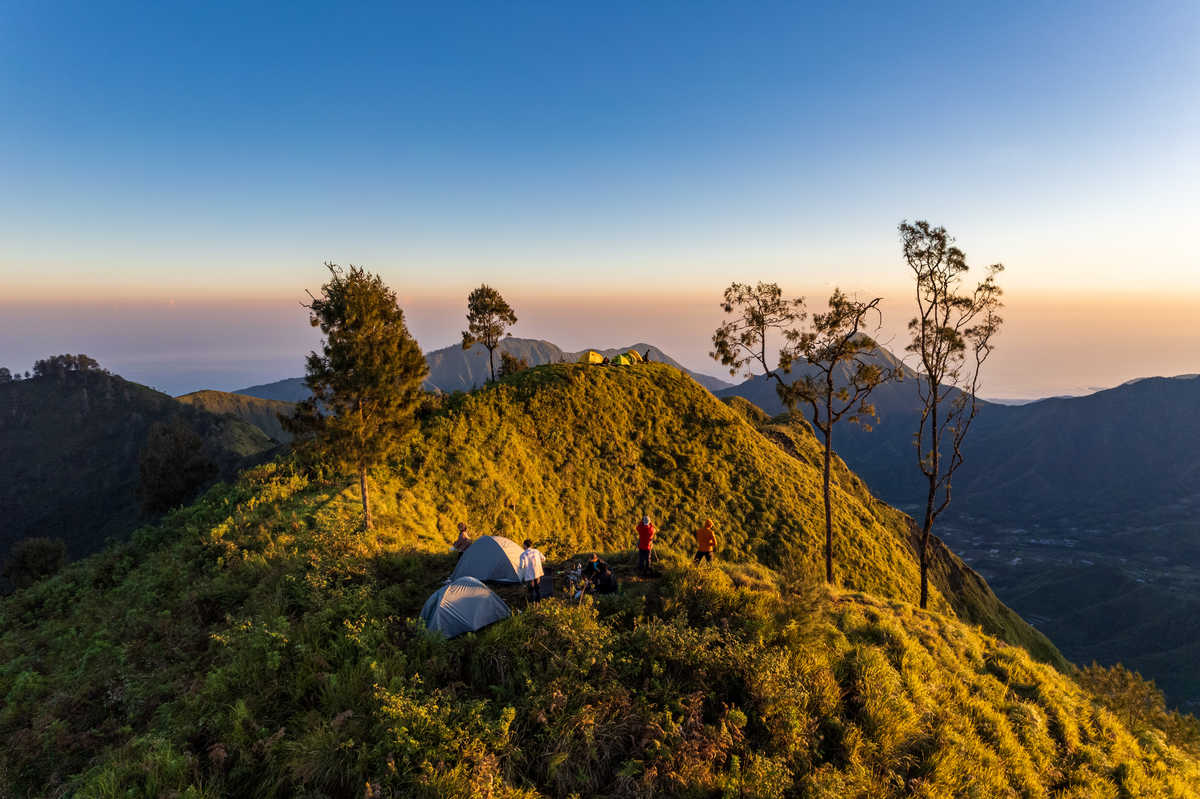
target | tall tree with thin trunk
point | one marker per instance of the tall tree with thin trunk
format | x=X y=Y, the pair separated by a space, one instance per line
x=951 y=338
x=488 y=316
x=365 y=381
x=840 y=376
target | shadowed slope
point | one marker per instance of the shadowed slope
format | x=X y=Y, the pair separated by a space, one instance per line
x=71 y=447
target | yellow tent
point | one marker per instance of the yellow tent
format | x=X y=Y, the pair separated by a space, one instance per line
x=591 y=356
x=635 y=356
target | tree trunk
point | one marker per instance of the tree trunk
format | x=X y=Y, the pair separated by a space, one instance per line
x=926 y=526
x=492 y=363
x=828 y=510
x=366 y=501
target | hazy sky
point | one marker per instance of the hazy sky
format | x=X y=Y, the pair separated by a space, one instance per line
x=172 y=176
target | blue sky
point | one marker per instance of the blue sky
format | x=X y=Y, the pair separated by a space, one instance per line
x=208 y=150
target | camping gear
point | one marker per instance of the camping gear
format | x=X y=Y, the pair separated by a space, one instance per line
x=621 y=360
x=591 y=356
x=492 y=558
x=462 y=606
x=634 y=356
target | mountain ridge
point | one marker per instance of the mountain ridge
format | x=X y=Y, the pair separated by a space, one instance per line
x=455 y=369
x=259 y=643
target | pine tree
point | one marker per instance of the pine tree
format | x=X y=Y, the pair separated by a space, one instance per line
x=365 y=381
x=488 y=315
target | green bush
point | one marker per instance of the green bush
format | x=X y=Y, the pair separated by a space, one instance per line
x=33 y=559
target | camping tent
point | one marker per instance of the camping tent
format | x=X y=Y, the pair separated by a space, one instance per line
x=635 y=356
x=591 y=356
x=490 y=557
x=462 y=606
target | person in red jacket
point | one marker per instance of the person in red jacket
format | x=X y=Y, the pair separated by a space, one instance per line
x=645 y=531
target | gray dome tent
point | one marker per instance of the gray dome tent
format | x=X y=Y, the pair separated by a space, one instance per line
x=463 y=606
x=491 y=557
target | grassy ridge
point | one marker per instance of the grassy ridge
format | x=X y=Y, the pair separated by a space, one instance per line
x=572 y=455
x=255 y=643
x=267 y=651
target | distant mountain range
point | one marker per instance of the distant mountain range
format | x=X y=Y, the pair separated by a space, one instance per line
x=455 y=369
x=1059 y=459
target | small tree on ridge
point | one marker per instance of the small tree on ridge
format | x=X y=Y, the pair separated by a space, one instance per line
x=951 y=337
x=842 y=374
x=488 y=316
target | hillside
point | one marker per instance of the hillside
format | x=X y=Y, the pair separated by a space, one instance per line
x=1062 y=500
x=455 y=369
x=71 y=449
x=256 y=643
x=262 y=413
x=1089 y=445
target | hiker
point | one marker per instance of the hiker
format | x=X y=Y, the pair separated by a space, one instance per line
x=606 y=581
x=591 y=569
x=645 y=531
x=529 y=569
x=464 y=540
x=706 y=542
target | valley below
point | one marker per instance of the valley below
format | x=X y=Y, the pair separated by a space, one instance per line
x=1096 y=598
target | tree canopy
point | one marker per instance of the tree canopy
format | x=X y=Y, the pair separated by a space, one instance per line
x=839 y=374
x=58 y=365
x=488 y=316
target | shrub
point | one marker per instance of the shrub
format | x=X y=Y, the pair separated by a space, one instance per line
x=32 y=559
x=1139 y=704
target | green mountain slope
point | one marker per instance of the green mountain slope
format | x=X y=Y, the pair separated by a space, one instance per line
x=1080 y=512
x=71 y=449
x=256 y=643
x=575 y=454
x=262 y=413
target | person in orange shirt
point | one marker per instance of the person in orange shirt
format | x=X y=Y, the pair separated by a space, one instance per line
x=706 y=542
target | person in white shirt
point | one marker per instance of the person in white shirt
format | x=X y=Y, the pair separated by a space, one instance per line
x=529 y=569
